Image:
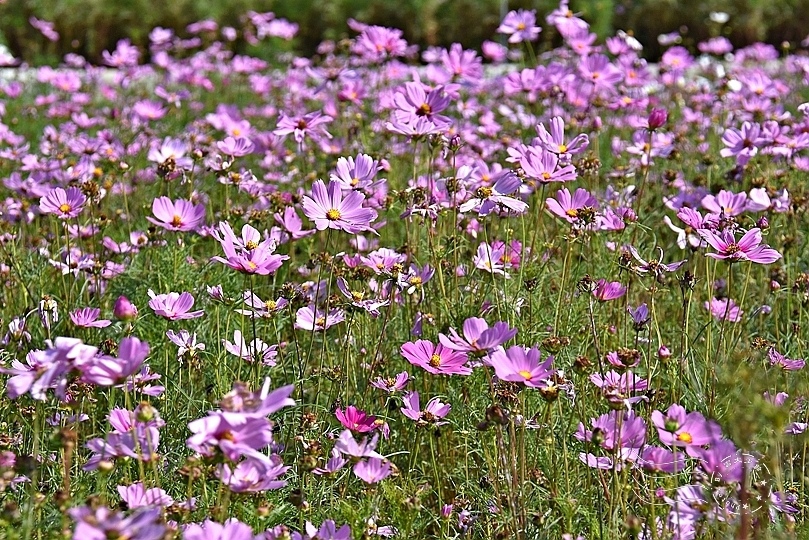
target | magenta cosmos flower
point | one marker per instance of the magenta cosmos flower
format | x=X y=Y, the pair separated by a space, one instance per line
x=180 y=215
x=63 y=204
x=748 y=248
x=518 y=364
x=435 y=359
x=608 y=290
x=330 y=209
x=356 y=420
x=173 y=306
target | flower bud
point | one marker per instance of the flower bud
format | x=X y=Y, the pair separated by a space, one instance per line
x=657 y=118
x=763 y=223
x=124 y=310
x=663 y=352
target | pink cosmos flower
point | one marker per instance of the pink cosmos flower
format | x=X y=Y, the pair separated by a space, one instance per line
x=255 y=351
x=64 y=204
x=88 y=318
x=136 y=496
x=545 y=166
x=605 y=290
x=249 y=256
x=478 y=337
x=569 y=207
x=312 y=318
x=173 y=306
x=372 y=470
x=330 y=209
x=743 y=143
x=520 y=25
x=413 y=102
x=489 y=198
x=236 y=146
x=348 y=446
x=787 y=364
x=518 y=364
x=355 y=173
x=726 y=202
x=435 y=359
x=210 y=530
x=253 y=475
x=180 y=215
x=392 y=384
x=432 y=414
x=109 y=371
x=554 y=140
x=292 y=223
x=333 y=464
x=311 y=124
x=748 y=248
x=725 y=309
x=689 y=430
x=46 y=28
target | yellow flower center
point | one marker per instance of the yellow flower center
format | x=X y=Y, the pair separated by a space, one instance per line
x=546 y=176
x=252 y=265
x=435 y=361
x=65 y=208
x=333 y=214
x=320 y=321
x=415 y=280
x=424 y=110
x=525 y=374
x=520 y=26
x=572 y=213
x=685 y=437
x=176 y=220
x=251 y=245
x=562 y=148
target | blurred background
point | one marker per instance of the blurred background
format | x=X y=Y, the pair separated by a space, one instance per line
x=88 y=27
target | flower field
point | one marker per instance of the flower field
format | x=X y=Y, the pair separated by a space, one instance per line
x=385 y=292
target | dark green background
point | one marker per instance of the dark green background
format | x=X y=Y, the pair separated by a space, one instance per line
x=88 y=27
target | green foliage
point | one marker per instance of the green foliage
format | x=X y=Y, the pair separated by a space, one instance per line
x=89 y=27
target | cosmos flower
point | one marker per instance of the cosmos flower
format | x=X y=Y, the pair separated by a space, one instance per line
x=432 y=414
x=329 y=208
x=63 y=204
x=573 y=209
x=435 y=359
x=251 y=256
x=747 y=248
x=518 y=364
x=180 y=215
x=478 y=337
x=312 y=318
x=724 y=308
x=519 y=26
x=687 y=430
x=373 y=470
x=356 y=420
x=88 y=318
x=173 y=306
